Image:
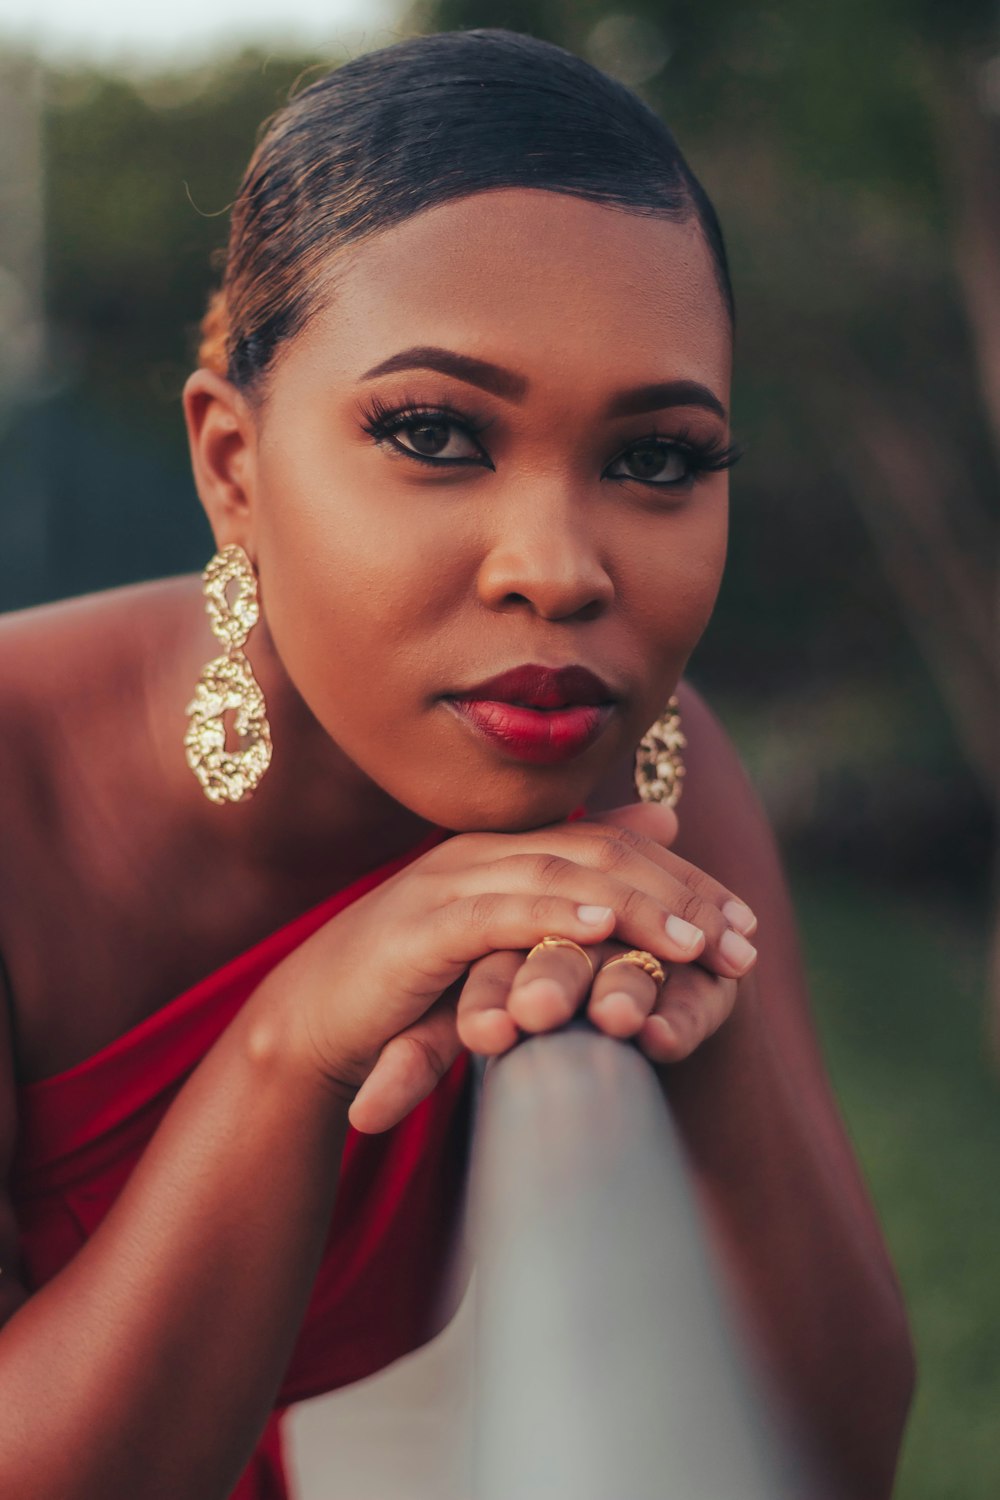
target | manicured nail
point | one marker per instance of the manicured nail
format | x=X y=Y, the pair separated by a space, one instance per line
x=594 y=916
x=736 y=950
x=740 y=917
x=683 y=933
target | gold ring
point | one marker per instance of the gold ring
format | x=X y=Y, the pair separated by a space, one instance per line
x=638 y=958
x=561 y=942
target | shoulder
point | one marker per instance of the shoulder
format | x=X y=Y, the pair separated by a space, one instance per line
x=62 y=664
x=43 y=647
x=73 y=684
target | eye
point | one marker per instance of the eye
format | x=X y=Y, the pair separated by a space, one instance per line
x=673 y=463
x=655 y=462
x=430 y=434
x=436 y=437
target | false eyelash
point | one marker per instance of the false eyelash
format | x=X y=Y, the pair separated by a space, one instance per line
x=382 y=419
x=705 y=457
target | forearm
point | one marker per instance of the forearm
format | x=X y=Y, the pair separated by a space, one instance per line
x=806 y=1258
x=148 y=1367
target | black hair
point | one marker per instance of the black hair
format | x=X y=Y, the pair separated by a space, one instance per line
x=432 y=118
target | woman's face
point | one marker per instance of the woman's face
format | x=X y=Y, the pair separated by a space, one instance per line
x=481 y=456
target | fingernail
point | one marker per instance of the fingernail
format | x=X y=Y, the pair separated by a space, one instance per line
x=594 y=916
x=740 y=917
x=684 y=933
x=736 y=950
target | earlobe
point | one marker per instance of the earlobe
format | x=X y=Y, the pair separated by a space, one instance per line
x=222 y=439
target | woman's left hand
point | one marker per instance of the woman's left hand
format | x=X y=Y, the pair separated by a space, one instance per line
x=508 y=994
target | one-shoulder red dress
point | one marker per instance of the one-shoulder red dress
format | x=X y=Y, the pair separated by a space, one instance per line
x=398 y=1199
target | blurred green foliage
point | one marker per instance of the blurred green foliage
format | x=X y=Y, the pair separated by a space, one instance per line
x=897 y=989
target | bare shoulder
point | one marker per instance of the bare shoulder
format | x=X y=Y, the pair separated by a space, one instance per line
x=67 y=668
x=42 y=649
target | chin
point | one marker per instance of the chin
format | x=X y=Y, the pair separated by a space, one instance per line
x=504 y=803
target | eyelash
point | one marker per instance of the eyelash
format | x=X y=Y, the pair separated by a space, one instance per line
x=382 y=422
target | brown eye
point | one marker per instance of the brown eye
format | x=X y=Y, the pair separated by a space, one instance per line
x=434 y=438
x=429 y=437
x=661 y=463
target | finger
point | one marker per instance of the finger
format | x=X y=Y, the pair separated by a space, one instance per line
x=659 y=825
x=651 y=909
x=409 y=1067
x=483 y=1021
x=605 y=841
x=622 y=997
x=549 y=987
x=691 y=1007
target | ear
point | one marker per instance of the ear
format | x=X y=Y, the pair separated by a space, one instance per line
x=222 y=436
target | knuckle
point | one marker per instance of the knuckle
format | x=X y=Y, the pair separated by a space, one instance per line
x=423 y=1052
x=613 y=851
x=485 y=980
x=689 y=906
x=481 y=911
x=633 y=904
x=703 y=885
x=688 y=1018
x=540 y=910
x=549 y=871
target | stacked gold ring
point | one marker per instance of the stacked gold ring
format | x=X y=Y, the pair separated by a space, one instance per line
x=548 y=943
x=638 y=958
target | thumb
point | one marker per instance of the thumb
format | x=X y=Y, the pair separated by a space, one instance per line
x=409 y=1067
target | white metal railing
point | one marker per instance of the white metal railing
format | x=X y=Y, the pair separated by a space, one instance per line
x=606 y=1366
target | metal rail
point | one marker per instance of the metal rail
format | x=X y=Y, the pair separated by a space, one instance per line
x=606 y=1365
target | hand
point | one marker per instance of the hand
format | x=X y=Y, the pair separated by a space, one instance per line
x=507 y=994
x=370 y=1000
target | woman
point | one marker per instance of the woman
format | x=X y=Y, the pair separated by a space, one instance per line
x=460 y=430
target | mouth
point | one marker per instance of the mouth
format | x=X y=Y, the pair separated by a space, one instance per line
x=541 y=715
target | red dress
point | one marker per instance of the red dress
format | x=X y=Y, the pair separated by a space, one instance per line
x=397 y=1205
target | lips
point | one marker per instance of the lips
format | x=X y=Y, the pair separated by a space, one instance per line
x=542 y=715
x=542 y=688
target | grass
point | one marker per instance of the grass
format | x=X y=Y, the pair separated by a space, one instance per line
x=899 y=988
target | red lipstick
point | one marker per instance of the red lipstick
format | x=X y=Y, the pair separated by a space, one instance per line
x=542 y=715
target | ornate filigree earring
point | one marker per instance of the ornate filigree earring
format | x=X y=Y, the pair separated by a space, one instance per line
x=659 y=768
x=227 y=685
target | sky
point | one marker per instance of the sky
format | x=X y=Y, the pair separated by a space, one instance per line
x=160 y=32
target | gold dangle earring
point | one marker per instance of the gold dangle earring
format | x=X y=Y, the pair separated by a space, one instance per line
x=227 y=685
x=659 y=768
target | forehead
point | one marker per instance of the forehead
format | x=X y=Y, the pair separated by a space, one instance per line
x=539 y=280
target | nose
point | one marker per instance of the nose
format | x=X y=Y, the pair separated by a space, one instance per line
x=543 y=555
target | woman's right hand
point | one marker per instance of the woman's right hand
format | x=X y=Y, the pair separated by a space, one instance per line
x=369 y=999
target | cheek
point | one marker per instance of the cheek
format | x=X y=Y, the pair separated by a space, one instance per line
x=675 y=577
x=353 y=589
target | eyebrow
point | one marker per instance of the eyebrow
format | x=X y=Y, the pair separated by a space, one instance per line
x=512 y=387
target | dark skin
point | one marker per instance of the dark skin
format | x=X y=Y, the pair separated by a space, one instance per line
x=543 y=540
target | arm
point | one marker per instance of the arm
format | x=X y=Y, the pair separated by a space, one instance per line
x=149 y=1365
x=774 y=1169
